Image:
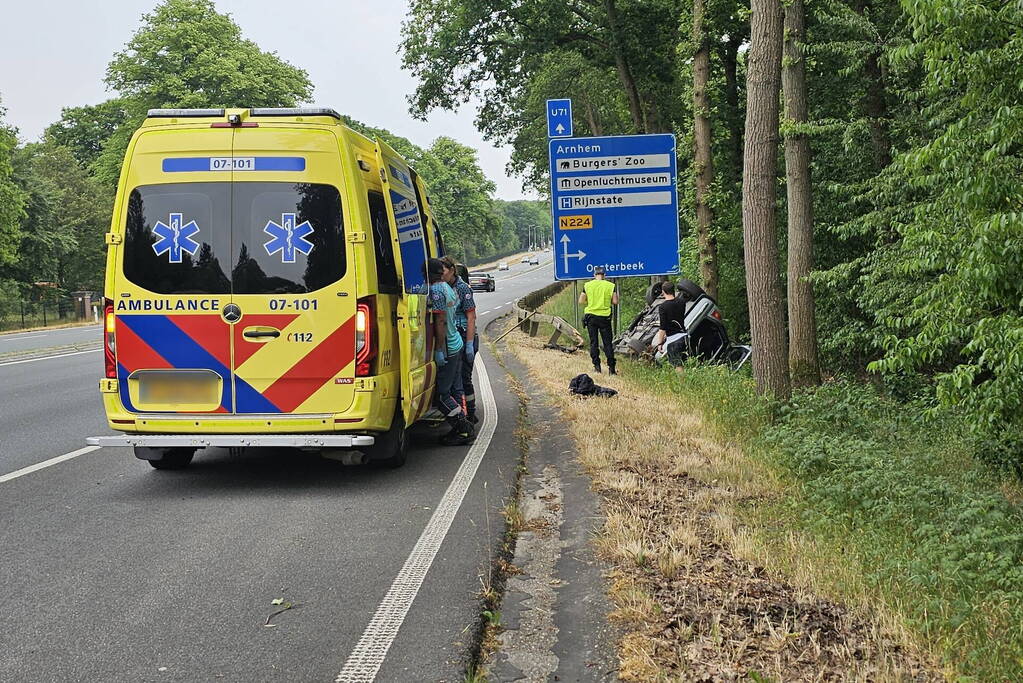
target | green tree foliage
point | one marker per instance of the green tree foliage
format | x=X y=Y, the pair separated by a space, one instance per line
x=84 y=130
x=65 y=217
x=473 y=224
x=615 y=57
x=955 y=204
x=12 y=198
x=186 y=54
x=519 y=218
x=461 y=198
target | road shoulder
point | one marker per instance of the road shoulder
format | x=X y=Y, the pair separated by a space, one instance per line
x=553 y=619
x=691 y=599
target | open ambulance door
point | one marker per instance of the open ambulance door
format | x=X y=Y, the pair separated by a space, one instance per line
x=435 y=246
x=409 y=236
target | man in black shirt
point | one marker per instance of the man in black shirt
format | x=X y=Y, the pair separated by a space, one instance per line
x=672 y=313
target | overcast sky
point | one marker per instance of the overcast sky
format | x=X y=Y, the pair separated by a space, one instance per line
x=54 y=54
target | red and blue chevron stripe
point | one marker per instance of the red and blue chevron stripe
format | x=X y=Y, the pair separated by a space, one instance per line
x=153 y=341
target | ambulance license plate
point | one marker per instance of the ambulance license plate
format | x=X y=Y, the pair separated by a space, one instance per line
x=172 y=388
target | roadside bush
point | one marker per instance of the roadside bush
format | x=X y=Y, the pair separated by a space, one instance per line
x=928 y=523
x=897 y=489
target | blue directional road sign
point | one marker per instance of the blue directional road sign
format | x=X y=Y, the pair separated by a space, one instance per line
x=559 y=118
x=614 y=204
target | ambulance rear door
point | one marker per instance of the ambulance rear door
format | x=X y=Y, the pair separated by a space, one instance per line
x=408 y=232
x=293 y=280
x=172 y=279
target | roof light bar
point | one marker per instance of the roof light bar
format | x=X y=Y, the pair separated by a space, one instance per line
x=183 y=113
x=294 y=111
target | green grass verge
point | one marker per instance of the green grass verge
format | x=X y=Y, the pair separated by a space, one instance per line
x=898 y=508
x=631 y=295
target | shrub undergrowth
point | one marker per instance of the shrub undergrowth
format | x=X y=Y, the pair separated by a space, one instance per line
x=894 y=488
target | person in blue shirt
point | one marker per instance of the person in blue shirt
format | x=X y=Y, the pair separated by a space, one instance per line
x=448 y=345
x=465 y=321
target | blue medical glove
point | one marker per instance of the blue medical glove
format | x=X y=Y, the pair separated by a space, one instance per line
x=470 y=351
x=441 y=359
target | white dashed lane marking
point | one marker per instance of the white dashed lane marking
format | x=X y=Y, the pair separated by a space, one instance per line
x=46 y=463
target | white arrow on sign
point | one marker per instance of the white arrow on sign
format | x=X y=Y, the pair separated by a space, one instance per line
x=560 y=129
x=565 y=255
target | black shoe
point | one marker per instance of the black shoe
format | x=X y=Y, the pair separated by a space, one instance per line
x=456 y=437
x=596 y=367
x=611 y=370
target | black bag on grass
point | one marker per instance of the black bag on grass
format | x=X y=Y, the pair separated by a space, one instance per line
x=583 y=385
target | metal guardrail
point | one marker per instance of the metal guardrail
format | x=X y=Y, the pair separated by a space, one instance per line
x=527 y=311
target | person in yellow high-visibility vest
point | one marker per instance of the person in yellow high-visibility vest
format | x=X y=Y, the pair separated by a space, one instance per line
x=599 y=296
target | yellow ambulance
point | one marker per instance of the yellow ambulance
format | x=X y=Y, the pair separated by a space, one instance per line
x=265 y=286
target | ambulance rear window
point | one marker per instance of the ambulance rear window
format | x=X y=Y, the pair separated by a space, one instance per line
x=242 y=237
x=288 y=238
x=178 y=238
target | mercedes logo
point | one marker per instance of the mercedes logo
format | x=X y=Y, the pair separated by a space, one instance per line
x=232 y=313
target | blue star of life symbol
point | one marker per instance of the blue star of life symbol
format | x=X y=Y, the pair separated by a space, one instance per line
x=288 y=237
x=175 y=238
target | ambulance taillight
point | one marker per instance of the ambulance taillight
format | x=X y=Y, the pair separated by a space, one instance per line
x=365 y=338
x=109 y=360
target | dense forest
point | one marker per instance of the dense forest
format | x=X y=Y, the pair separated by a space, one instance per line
x=56 y=193
x=853 y=192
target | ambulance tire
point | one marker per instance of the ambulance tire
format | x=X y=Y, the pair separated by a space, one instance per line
x=171 y=459
x=391 y=446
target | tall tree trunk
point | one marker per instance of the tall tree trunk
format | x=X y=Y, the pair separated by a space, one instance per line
x=876 y=105
x=624 y=69
x=802 y=317
x=591 y=118
x=875 y=102
x=702 y=155
x=730 y=61
x=759 y=189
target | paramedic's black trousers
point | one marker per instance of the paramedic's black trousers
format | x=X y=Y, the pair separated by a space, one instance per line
x=600 y=324
x=468 y=389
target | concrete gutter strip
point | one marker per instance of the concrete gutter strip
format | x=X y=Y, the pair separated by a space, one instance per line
x=555 y=613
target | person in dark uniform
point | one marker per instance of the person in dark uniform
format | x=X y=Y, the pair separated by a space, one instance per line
x=599 y=296
x=465 y=321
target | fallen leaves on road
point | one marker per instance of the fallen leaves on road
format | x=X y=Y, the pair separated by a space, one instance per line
x=284 y=607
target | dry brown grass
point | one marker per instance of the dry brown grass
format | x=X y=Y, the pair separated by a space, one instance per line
x=688 y=581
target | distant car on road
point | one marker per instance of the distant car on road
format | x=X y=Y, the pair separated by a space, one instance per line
x=534 y=260
x=503 y=265
x=482 y=282
x=525 y=259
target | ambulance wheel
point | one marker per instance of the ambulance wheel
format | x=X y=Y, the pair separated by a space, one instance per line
x=166 y=458
x=391 y=446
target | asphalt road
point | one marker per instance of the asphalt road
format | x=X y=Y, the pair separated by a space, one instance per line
x=44 y=339
x=114 y=571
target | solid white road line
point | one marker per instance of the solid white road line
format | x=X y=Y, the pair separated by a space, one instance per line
x=46 y=463
x=24 y=336
x=364 y=662
x=59 y=355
